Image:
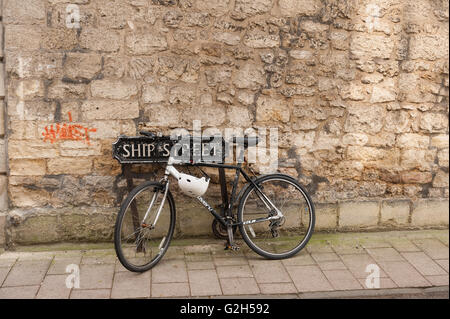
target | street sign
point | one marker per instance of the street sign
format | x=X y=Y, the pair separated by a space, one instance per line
x=186 y=149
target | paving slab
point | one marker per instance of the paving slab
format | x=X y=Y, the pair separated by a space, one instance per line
x=174 y=253
x=443 y=237
x=36 y=256
x=240 y=271
x=251 y=255
x=342 y=280
x=27 y=273
x=319 y=257
x=199 y=257
x=7 y=262
x=403 y=245
x=171 y=289
x=440 y=280
x=94 y=276
x=365 y=293
x=3 y=273
x=332 y=265
x=299 y=260
x=54 y=287
x=119 y=267
x=69 y=253
x=358 y=265
x=131 y=285
x=204 y=283
x=308 y=278
x=59 y=264
x=90 y=294
x=352 y=247
x=404 y=274
x=170 y=271
x=100 y=252
x=270 y=272
x=233 y=254
x=196 y=265
x=318 y=248
x=259 y=296
x=368 y=243
x=433 y=248
x=443 y=263
x=424 y=264
x=385 y=254
x=413 y=235
x=197 y=250
x=98 y=260
x=385 y=283
x=277 y=288
x=223 y=261
x=24 y=292
x=239 y=286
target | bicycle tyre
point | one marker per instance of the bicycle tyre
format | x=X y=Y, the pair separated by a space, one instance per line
x=119 y=224
x=249 y=189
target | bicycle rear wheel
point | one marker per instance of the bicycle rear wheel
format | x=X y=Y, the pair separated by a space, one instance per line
x=276 y=238
x=140 y=243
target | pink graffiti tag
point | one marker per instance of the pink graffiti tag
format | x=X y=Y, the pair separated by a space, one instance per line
x=66 y=131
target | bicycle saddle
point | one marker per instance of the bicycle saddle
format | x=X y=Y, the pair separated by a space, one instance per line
x=246 y=140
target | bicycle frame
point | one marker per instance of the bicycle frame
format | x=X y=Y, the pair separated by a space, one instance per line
x=227 y=219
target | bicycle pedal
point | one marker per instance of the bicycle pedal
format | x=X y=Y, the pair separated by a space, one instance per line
x=232 y=247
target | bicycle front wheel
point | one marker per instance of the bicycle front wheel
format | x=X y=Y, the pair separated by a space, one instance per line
x=141 y=235
x=276 y=238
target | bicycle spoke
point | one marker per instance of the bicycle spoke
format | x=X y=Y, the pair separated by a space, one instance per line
x=279 y=236
x=132 y=234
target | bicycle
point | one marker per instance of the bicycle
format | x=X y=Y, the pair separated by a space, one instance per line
x=275 y=215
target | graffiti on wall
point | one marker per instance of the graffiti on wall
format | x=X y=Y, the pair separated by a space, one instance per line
x=67 y=131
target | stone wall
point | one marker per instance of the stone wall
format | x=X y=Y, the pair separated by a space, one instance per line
x=358 y=90
x=3 y=178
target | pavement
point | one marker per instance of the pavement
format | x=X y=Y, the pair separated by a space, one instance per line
x=397 y=264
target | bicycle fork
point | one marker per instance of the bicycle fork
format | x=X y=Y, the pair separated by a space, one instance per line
x=143 y=225
x=170 y=170
x=155 y=196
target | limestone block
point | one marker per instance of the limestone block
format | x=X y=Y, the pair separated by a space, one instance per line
x=299 y=7
x=430 y=212
x=395 y=212
x=358 y=214
x=110 y=110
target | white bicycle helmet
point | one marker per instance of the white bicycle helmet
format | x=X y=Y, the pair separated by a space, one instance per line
x=191 y=185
